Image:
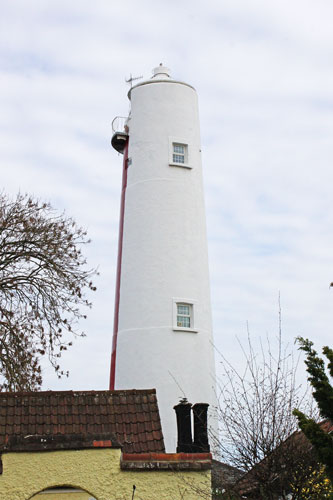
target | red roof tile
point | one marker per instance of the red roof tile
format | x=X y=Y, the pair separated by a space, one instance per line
x=129 y=417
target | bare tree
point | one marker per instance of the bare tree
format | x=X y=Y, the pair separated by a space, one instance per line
x=257 y=422
x=43 y=280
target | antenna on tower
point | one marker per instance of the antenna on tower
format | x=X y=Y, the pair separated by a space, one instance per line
x=131 y=79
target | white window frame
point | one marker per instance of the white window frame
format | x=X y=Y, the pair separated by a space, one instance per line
x=177 y=141
x=184 y=315
x=176 y=301
x=179 y=153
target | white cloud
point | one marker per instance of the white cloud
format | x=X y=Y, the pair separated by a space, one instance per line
x=263 y=74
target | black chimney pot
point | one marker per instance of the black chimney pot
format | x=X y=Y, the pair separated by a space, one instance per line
x=201 y=444
x=183 y=413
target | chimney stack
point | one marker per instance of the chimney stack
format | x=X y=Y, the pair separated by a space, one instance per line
x=200 y=444
x=183 y=413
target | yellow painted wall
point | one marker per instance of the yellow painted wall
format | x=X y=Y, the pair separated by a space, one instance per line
x=97 y=472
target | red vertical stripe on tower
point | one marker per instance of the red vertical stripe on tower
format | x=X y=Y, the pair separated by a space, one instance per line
x=118 y=277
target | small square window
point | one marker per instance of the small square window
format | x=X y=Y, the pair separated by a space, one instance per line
x=183 y=315
x=179 y=153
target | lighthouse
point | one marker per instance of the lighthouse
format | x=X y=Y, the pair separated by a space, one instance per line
x=162 y=334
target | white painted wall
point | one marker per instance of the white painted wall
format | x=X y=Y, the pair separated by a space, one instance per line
x=164 y=255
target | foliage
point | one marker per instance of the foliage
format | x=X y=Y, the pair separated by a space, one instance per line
x=43 y=280
x=316 y=485
x=323 y=394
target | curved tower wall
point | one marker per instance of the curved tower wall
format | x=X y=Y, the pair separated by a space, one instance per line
x=164 y=256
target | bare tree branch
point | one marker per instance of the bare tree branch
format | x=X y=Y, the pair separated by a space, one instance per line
x=255 y=414
x=43 y=279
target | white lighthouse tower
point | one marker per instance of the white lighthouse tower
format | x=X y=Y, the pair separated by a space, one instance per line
x=162 y=326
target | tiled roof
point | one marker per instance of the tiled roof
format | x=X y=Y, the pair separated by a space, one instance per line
x=224 y=475
x=128 y=417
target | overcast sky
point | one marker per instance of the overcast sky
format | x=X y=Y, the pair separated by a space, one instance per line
x=263 y=70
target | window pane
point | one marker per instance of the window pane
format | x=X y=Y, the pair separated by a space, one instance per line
x=179 y=148
x=178 y=158
x=183 y=321
x=183 y=309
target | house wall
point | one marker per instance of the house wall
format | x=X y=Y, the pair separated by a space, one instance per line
x=96 y=471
